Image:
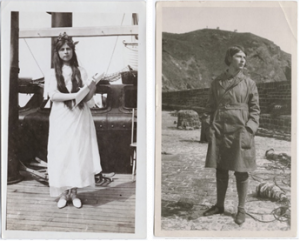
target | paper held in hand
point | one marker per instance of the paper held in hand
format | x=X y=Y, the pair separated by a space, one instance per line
x=85 y=89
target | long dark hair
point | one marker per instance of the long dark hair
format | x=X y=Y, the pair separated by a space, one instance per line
x=58 y=63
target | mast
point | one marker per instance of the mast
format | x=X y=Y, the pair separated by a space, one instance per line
x=13 y=175
x=59 y=20
x=135 y=21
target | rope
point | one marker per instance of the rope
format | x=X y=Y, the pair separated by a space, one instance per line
x=114 y=47
x=130 y=56
x=115 y=76
x=34 y=58
x=280 y=218
x=262 y=221
x=267 y=190
x=276 y=184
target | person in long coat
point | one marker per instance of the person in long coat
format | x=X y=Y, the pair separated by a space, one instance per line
x=234 y=118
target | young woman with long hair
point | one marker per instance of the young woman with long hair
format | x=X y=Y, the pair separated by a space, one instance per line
x=73 y=156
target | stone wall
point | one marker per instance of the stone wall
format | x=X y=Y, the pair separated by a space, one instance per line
x=280 y=123
x=274 y=93
x=274 y=98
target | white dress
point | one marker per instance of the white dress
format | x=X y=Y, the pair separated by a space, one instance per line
x=73 y=155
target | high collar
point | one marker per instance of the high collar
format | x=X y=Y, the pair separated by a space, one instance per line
x=225 y=76
x=236 y=79
x=238 y=74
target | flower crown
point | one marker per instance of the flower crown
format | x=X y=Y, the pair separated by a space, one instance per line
x=65 y=37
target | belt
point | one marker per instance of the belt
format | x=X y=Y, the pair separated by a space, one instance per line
x=234 y=106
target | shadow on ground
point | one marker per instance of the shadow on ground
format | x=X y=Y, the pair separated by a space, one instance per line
x=121 y=192
x=193 y=141
x=170 y=208
x=185 y=210
x=172 y=128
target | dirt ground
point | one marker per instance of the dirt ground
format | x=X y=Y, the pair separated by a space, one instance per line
x=188 y=189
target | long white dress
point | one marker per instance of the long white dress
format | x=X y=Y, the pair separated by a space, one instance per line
x=73 y=156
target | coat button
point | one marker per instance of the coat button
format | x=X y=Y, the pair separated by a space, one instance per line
x=123 y=126
x=100 y=126
x=112 y=126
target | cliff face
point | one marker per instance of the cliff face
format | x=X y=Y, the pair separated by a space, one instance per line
x=192 y=60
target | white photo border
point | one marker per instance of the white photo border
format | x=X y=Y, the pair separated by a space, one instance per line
x=138 y=7
x=212 y=234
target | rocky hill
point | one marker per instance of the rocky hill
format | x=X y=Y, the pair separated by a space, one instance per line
x=191 y=60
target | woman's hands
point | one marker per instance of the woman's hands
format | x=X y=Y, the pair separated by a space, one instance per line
x=92 y=87
x=60 y=97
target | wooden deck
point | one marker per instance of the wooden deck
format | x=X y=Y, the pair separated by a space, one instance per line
x=106 y=208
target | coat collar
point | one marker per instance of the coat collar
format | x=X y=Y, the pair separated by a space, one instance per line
x=236 y=79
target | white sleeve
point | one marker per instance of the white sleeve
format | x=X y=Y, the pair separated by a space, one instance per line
x=50 y=85
x=84 y=76
x=86 y=81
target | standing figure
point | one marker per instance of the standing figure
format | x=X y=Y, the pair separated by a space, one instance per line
x=234 y=118
x=73 y=156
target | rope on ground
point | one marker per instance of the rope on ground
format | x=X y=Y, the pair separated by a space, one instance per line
x=272 y=190
x=282 y=158
x=282 y=189
x=262 y=221
x=281 y=214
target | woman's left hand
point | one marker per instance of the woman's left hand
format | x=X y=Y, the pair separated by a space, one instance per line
x=92 y=87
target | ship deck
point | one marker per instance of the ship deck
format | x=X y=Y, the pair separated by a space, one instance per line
x=109 y=207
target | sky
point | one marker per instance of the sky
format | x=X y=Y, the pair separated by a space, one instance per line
x=94 y=53
x=268 y=22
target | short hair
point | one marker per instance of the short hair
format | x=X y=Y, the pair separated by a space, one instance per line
x=232 y=51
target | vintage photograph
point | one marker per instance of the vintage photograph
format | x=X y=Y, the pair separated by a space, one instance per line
x=226 y=137
x=73 y=121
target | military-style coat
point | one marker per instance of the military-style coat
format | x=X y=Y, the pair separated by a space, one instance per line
x=234 y=111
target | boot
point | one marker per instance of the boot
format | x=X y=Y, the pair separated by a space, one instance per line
x=75 y=200
x=64 y=197
x=214 y=210
x=240 y=216
x=222 y=184
x=242 y=188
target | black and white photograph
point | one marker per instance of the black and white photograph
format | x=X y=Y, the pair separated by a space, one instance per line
x=75 y=80
x=226 y=119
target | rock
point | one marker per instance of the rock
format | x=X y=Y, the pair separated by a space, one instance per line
x=188 y=120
